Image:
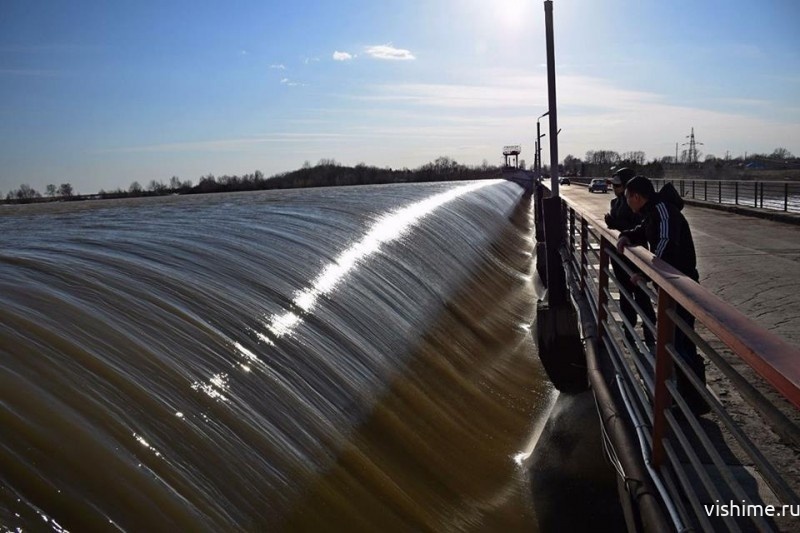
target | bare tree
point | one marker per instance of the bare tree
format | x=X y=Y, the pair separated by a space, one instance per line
x=781 y=153
x=636 y=157
x=25 y=193
x=51 y=190
x=65 y=190
x=602 y=157
x=156 y=187
x=572 y=165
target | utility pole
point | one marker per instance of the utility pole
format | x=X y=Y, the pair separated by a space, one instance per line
x=551 y=96
x=559 y=342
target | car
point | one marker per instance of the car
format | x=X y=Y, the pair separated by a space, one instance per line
x=563 y=181
x=598 y=185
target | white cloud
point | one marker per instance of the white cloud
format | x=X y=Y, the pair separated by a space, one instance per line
x=278 y=66
x=290 y=83
x=387 y=51
x=342 y=56
x=594 y=113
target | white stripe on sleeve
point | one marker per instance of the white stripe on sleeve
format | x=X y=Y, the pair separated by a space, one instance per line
x=663 y=235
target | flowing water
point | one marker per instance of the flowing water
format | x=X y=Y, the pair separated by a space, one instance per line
x=322 y=359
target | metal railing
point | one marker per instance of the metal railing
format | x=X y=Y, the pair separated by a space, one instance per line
x=775 y=195
x=783 y=196
x=693 y=465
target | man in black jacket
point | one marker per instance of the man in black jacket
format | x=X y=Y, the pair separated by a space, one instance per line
x=621 y=217
x=667 y=232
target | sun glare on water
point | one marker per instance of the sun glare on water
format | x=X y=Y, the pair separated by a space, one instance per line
x=386 y=229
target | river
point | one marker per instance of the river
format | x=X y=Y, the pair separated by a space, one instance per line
x=353 y=358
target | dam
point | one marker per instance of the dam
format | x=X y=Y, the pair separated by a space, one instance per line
x=339 y=358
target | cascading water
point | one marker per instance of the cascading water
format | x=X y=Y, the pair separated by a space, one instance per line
x=322 y=358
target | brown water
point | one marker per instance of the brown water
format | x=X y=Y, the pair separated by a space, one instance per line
x=324 y=359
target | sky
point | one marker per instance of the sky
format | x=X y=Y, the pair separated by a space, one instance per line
x=102 y=93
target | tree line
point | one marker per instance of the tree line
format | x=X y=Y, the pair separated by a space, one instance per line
x=326 y=173
x=599 y=162
x=28 y=193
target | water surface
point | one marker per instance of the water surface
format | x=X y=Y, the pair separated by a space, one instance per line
x=336 y=358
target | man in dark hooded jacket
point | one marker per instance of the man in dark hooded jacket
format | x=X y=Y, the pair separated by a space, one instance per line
x=621 y=217
x=667 y=232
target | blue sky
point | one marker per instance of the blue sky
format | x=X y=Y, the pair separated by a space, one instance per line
x=102 y=93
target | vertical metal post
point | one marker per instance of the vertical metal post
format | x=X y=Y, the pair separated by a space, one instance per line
x=720 y=192
x=785 y=196
x=736 y=192
x=705 y=191
x=665 y=333
x=571 y=230
x=693 y=184
x=602 y=285
x=551 y=96
x=755 y=195
x=538 y=151
x=584 y=251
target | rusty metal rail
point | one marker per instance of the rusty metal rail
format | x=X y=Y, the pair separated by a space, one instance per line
x=692 y=468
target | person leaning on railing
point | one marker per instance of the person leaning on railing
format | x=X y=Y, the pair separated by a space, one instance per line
x=621 y=217
x=667 y=232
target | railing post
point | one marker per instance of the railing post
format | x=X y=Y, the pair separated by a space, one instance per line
x=693 y=184
x=720 y=192
x=602 y=285
x=665 y=334
x=584 y=251
x=785 y=196
x=755 y=195
x=705 y=191
x=571 y=230
x=736 y=192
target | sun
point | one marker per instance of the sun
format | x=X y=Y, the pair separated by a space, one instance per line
x=511 y=14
